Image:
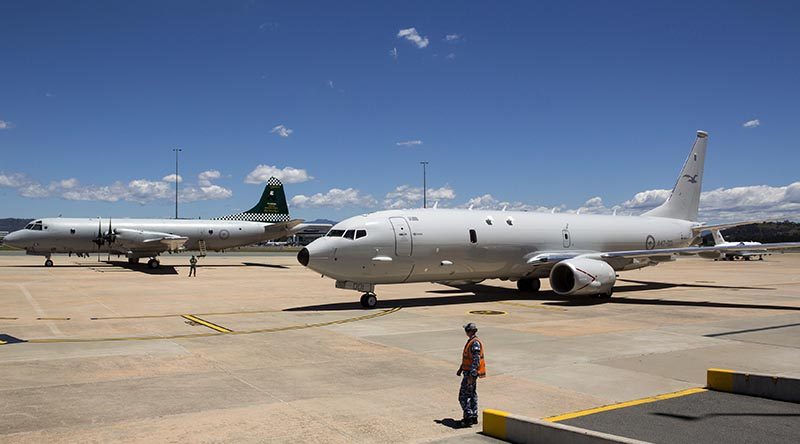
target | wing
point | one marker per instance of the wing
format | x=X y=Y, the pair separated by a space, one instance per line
x=281 y=229
x=700 y=228
x=695 y=250
x=151 y=241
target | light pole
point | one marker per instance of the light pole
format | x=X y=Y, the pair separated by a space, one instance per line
x=177 y=150
x=424 y=185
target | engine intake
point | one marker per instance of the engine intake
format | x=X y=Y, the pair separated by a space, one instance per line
x=582 y=276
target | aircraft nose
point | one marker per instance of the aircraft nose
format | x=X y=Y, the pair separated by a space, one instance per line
x=11 y=239
x=303 y=257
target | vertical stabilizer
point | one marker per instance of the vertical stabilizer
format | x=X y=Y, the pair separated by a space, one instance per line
x=684 y=200
x=271 y=208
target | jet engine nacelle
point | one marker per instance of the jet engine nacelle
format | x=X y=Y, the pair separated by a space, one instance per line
x=582 y=276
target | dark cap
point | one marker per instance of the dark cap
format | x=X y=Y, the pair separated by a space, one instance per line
x=470 y=327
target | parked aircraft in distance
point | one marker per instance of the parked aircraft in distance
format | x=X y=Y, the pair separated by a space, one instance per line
x=748 y=249
x=138 y=238
x=580 y=253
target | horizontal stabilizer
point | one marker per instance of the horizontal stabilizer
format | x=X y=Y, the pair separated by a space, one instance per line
x=697 y=250
x=700 y=228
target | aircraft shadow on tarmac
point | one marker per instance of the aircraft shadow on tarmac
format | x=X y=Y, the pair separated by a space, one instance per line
x=714 y=415
x=109 y=266
x=479 y=293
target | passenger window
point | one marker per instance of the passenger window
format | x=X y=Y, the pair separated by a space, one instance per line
x=335 y=233
x=473 y=236
x=349 y=234
x=361 y=233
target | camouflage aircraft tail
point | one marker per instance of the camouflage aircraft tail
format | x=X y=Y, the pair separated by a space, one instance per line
x=272 y=207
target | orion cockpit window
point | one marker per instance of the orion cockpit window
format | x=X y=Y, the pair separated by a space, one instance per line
x=36 y=226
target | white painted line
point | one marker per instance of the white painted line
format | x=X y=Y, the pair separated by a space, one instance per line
x=38 y=309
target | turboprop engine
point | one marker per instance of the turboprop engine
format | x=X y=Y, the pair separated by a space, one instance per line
x=582 y=276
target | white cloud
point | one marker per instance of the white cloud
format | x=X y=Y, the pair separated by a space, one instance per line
x=452 y=37
x=137 y=190
x=752 y=123
x=413 y=36
x=410 y=143
x=334 y=198
x=393 y=53
x=262 y=173
x=406 y=196
x=282 y=131
x=450 y=56
x=171 y=178
x=645 y=200
x=4 y=124
x=330 y=84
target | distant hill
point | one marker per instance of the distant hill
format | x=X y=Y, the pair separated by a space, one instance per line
x=321 y=221
x=11 y=224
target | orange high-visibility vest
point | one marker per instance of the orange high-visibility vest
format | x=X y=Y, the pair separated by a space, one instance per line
x=466 y=358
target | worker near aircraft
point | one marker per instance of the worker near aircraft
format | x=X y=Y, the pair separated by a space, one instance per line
x=473 y=366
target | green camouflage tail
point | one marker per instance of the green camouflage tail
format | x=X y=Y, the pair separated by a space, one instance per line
x=271 y=208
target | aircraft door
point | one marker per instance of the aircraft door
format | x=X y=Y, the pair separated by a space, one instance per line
x=403 y=243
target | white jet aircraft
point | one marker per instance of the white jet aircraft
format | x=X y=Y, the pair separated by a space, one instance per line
x=138 y=238
x=746 y=251
x=580 y=253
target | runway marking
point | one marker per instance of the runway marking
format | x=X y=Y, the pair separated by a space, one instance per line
x=4 y=318
x=205 y=335
x=38 y=309
x=537 y=307
x=210 y=325
x=621 y=405
x=172 y=315
x=52 y=319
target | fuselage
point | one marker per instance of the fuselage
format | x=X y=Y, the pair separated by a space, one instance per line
x=77 y=235
x=429 y=245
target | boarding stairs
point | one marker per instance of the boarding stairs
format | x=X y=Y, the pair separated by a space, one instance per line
x=202 y=246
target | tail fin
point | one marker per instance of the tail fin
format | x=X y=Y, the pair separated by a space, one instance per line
x=684 y=200
x=717 y=235
x=271 y=208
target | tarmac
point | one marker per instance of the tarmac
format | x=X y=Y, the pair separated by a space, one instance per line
x=257 y=348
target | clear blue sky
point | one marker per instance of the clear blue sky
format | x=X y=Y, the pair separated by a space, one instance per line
x=548 y=104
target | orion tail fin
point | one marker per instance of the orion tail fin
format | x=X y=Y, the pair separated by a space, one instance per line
x=271 y=208
x=684 y=201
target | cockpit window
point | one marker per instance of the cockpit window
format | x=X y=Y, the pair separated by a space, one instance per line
x=361 y=233
x=29 y=227
x=37 y=227
x=349 y=234
x=335 y=233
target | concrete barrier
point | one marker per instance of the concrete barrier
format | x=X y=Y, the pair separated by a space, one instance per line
x=520 y=429
x=779 y=388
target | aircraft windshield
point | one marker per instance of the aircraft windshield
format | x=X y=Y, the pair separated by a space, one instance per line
x=335 y=233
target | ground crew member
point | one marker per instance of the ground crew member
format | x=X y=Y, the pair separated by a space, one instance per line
x=472 y=367
x=193 y=266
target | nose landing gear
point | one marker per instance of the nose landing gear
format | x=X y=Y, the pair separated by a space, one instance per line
x=48 y=262
x=369 y=300
x=528 y=285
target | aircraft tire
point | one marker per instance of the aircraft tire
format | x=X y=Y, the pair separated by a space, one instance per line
x=607 y=294
x=48 y=263
x=369 y=300
x=153 y=264
x=529 y=285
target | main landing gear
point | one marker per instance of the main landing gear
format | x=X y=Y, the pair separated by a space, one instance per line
x=153 y=264
x=133 y=260
x=529 y=285
x=48 y=262
x=369 y=300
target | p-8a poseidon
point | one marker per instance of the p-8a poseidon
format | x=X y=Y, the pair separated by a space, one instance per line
x=579 y=253
x=138 y=238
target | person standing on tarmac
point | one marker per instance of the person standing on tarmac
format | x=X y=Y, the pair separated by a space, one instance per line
x=473 y=366
x=193 y=266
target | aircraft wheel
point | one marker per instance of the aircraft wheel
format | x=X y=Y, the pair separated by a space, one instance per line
x=48 y=263
x=529 y=285
x=369 y=300
x=607 y=294
x=747 y=258
x=153 y=264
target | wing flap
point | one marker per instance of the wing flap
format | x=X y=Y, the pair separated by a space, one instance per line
x=697 y=250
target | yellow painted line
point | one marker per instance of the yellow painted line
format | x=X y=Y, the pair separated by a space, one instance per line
x=621 y=405
x=210 y=325
x=204 y=335
x=720 y=379
x=494 y=423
